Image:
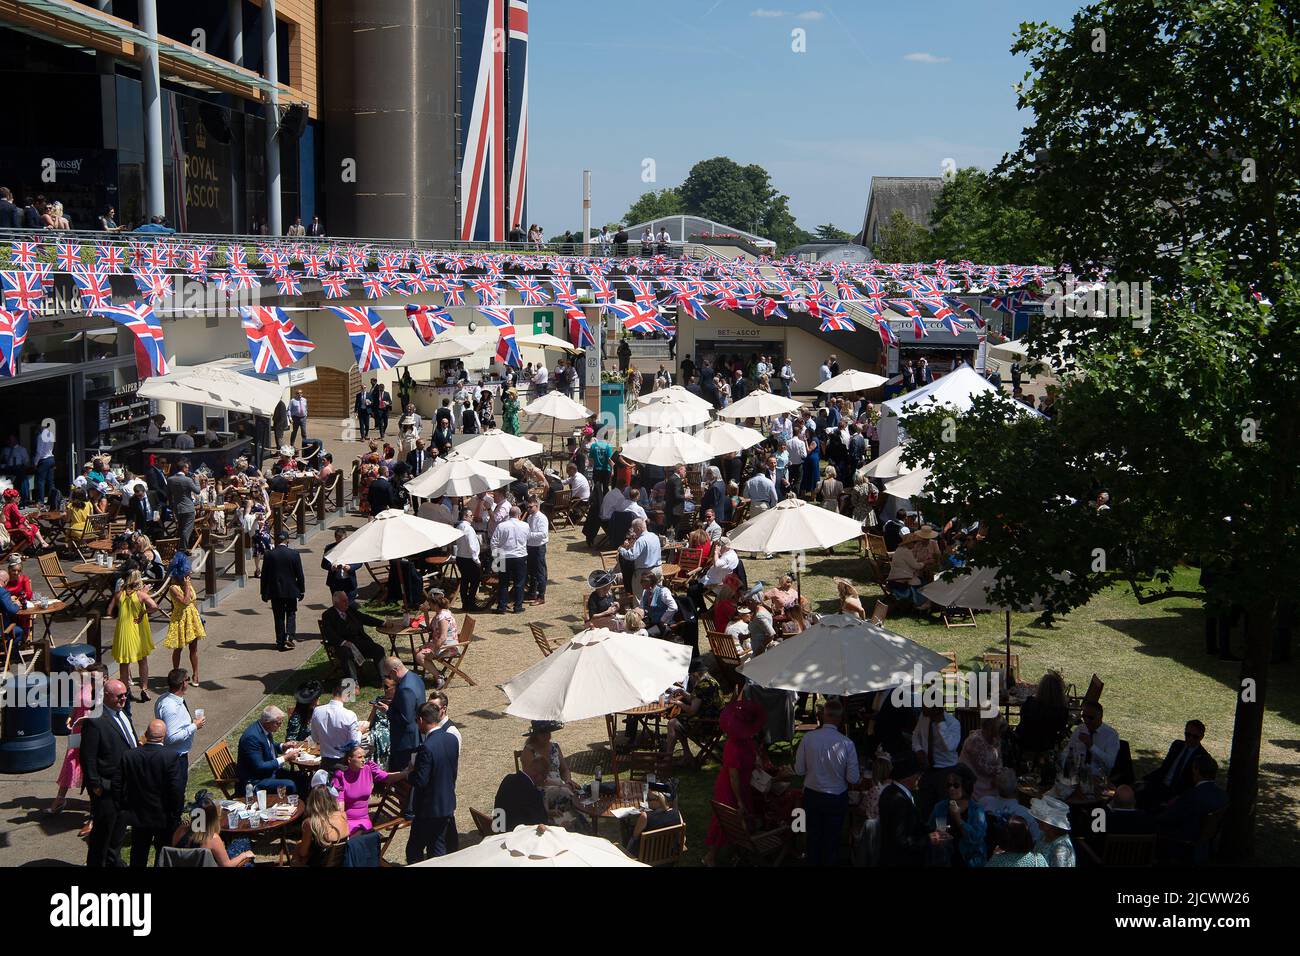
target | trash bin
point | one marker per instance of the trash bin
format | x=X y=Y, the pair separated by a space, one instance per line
x=612 y=411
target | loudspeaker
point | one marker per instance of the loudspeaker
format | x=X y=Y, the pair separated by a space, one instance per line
x=293 y=122
x=215 y=122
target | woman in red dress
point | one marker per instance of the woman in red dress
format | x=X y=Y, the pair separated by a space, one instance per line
x=22 y=530
x=741 y=721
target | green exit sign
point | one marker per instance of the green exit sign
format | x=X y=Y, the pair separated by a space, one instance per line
x=543 y=323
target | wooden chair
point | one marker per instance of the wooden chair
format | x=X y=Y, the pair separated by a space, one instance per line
x=609 y=561
x=879 y=614
x=557 y=510
x=768 y=848
x=951 y=667
x=483 y=822
x=544 y=643
x=688 y=562
x=72 y=593
x=1095 y=687
x=378 y=571
x=388 y=815
x=445 y=667
x=725 y=654
x=876 y=547
x=222 y=765
x=708 y=738
x=738 y=517
x=957 y=617
x=1121 y=849
x=999 y=661
x=662 y=847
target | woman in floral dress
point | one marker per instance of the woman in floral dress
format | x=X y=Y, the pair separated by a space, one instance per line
x=185 y=628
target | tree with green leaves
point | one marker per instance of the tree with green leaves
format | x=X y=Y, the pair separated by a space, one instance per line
x=830 y=232
x=654 y=205
x=1156 y=152
x=742 y=197
x=901 y=240
x=980 y=217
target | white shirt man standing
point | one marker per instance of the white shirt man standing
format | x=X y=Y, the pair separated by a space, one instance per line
x=642 y=551
x=828 y=762
x=510 y=560
x=539 y=534
x=334 y=727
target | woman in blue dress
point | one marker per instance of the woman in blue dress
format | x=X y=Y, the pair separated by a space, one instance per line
x=812 y=467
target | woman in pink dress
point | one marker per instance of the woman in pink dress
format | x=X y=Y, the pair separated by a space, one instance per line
x=740 y=720
x=70 y=775
x=355 y=782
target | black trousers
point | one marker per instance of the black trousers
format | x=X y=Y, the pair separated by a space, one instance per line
x=144 y=839
x=381 y=423
x=470 y=574
x=537 y=573
x=512 y=583
x=105 y=841
x=286 y=620
x=428 y=837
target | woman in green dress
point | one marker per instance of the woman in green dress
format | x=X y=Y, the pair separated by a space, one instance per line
x=510 y=412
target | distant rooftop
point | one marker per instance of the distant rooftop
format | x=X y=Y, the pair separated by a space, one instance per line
x=914 y=196
x=683 y=228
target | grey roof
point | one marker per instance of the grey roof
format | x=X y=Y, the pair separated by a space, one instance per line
x=913 y=195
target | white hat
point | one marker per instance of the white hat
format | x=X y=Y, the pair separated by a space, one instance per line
x=1051 y=811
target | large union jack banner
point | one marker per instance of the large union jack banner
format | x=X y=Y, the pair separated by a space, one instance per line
x=429 y=320
x=274 y=341
x=372 y=343
x=13 y=335
x=139 y=317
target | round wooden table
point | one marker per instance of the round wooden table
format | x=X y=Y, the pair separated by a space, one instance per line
x=276 y=826
x=396 y=629
x=44 y=613
x=90 y=567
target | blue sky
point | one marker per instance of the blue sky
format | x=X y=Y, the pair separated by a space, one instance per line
x=884 y=88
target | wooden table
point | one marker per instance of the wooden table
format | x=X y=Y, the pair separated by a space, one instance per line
x=274 y=827
x=101 y=578
x=99 y=544
x=44 y=613
x=394 y=630
x=627 y=793
x=651 y=716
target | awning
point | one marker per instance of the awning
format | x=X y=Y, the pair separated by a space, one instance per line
x=214 y=386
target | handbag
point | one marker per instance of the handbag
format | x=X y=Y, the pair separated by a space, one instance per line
x=761 y=780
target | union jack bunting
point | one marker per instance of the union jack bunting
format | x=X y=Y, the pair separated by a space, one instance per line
x=429 y=320
x=139 y=317
x=454 y=293
x=643 y=290
x=579 y=331
x=333 y=285
x=488 y=292
x=687 y=302
x=530 y=290
x=313 y=265
x=107 y=258
x=13 y=335
x=961 y=308
x=274 y=342
x=837 y=323
x=508 y=348
x=565 y=294
x=154 y=286
x=25 y=254
x=94 y=288
x=888 y=336
x=286 y=283
x=636 y=319
x=372 y=343
x=375 y=287
x=498 y=315
x=416 y=282
x=602 y=291
x=68 y=255
x=23 y=291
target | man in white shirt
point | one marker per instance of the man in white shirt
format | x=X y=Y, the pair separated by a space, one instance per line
x=824 y=373
x=541 y=380
x=612 y=502
x=642 y=552
x=783 y=427
x=334 y=727
x=297 y=416
x=539 y=533
x=500 y=512
x=1093 y=744
x=633 y=503
x=787 y=378
x=828 y=762
x=760 y=367
x=725 y=561
x=761 y=490
x=510 y=560
x=44 y=459
x=935 y=742
x=467 y=549
x=185 y=440
x=578 y=485
x=798 y=452
x=172 y=710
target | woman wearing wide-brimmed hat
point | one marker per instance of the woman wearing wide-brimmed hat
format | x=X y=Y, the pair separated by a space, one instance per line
x=741 y=721
x=1053 y=818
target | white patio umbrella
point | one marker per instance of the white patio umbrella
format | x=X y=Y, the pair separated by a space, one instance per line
x=909 y=484
x=670 y=410
x=759 y=405
x=888 y=465
x=667 y=446
x=496 y=445
x=447 y=346
x=852 y=381
x=558 y=406
x=599 y=672
x=458 y=476
x=537 y=847
x=393 y=534
x=842 y=654
x=795 y=525
x=674 y=391
x=545 y=340
x=725 y=438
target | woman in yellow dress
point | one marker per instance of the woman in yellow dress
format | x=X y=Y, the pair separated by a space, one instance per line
x=132 y=641
x=186 y=626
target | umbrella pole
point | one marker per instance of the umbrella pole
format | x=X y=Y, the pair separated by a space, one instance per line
x=1008 y=670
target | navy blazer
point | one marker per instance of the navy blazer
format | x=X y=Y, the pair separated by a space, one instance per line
x=257 y=753
x=1184 y=779
x=1183 y=819
x=433 y=778
x=282 y=577
x=403 y=732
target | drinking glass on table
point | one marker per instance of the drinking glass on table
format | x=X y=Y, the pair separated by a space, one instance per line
x=293 y=801
x=280 y=792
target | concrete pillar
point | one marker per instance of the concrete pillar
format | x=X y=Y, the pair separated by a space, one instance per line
x=274 y=225
x=235 y=21
x=235 y=17
x=151 y=89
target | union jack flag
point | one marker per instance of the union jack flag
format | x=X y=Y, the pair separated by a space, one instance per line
x=375 y=287
x=107 y=258
x=68 y=255
x=908 y=308
x=487 y=291
x=196 y=261
x=689 y=303
x=454 y=293
x=565 y=294
x=636 y=319
x=154 y=286
x=274 y=341
x=579 y=331
x=602 y=290
x=416 y=282
x=508 y=348
x=768 y=307
x=313 y=264
x=13 y=335
x=25 y=254
x=94 y=288
x=429 y=320
x=139 y=317
x=333 y=285
x=837 y=323
x=888 y=336
x=643 y=290
x=23 y=291
x=286 y=283
x=499 y=316
x=530 y=290
x=372 y=343
x=961 y=308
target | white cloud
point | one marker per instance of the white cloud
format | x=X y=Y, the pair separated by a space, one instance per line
x=760 y=12
x=811 y=15
x=925 y=58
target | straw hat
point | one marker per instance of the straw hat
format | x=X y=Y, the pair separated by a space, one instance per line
x=923 y=533
x=1051 y=811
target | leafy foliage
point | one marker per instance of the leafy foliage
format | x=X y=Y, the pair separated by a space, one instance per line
x=901 y=240
x=981 y=217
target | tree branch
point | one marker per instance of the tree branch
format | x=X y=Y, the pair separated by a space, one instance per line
x=1150 y=597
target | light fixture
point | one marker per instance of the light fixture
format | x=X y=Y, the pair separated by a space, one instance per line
x=473 y=326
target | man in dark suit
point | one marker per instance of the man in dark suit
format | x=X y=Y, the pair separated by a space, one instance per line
x=157 y=482
x=342 y=627
x=284 y=586
x=380 y=404
x=1180 y=824
x=361 y=406
x=340 y=577
x=433 y=787
x=1121 y=818
x=519 y=796
x=403 y=732
x=11 y=217
x=903 y=836
x=1174 y=775
x=139 y=512
x=261 y=761
x=152 y=793
x=380 y=495
x=418 y=458
x=104 y=742
x=181 y=492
